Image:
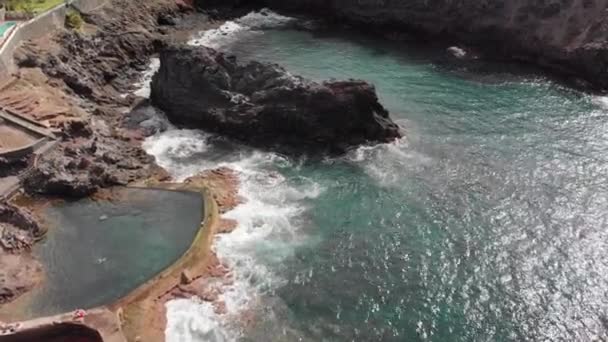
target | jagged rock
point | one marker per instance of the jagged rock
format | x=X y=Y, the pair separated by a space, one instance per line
x=102 y=66
x=146 y=119
x=76 y=129
x=185 y=277
x=11 y=167
x=18 y=274
x=79 y=168
x=264 y=105
x=21 y=219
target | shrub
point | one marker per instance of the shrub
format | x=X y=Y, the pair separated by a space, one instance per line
x=73 y=20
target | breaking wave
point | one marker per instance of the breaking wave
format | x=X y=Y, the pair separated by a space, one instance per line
x=268 y=227
x=251 y=24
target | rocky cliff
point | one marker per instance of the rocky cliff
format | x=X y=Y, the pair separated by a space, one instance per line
x=568 y=36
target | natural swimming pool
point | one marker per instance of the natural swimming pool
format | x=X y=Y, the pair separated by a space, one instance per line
x=96 y=252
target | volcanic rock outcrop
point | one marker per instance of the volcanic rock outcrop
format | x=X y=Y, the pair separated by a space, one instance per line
x=264 y=105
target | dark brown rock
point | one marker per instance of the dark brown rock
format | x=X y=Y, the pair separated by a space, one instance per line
x=262 y=104
x=80 y=167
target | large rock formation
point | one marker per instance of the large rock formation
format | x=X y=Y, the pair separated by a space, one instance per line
x=568 y=36
x=264 y=105
x=81 y=166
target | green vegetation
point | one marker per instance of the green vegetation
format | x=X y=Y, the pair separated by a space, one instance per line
x=31 y=6
x=73 y=20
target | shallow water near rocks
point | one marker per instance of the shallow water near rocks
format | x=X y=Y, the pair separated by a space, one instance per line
x=487 y=222
x=98 y=251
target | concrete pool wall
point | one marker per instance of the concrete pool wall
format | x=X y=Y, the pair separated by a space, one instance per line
x=137 y=308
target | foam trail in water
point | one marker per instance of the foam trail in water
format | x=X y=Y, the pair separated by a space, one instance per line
x=601 y=101
x=187 y=322
x=386 y=162
x=230 y=31
x=267 y=229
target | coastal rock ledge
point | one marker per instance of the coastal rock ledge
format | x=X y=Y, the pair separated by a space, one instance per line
x=265 y=106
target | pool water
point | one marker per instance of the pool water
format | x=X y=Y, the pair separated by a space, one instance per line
x=98 y=251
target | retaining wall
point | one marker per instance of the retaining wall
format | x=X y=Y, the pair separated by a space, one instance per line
x=37 y=27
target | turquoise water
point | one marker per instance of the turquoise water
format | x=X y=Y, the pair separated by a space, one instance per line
x=487 y=222
x=98 y=251
x=489 y=225
x=4 y=27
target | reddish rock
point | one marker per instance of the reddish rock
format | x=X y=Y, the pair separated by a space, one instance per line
x=226 y=226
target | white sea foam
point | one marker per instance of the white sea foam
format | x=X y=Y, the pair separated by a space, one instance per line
x=386 y=163
x=143 y=86
x=601 y=101
x=230 y=31
x=267 y=229
x=190 y=320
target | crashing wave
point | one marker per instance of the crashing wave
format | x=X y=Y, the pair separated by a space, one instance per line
x=230 y=31
x=267 y=232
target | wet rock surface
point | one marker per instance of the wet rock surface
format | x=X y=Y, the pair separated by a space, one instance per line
x=265 y=106
x=146 y=119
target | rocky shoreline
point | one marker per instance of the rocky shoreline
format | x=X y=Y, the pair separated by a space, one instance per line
x=85 y=73
x=100 y=146
x=567 y=38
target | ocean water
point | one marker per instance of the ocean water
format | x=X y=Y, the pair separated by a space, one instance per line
x=486 y=222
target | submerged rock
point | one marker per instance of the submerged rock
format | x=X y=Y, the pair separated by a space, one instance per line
x=264 y=105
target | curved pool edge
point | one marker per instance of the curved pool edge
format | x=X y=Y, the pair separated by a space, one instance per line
x=133 y=317
x=141 y=312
